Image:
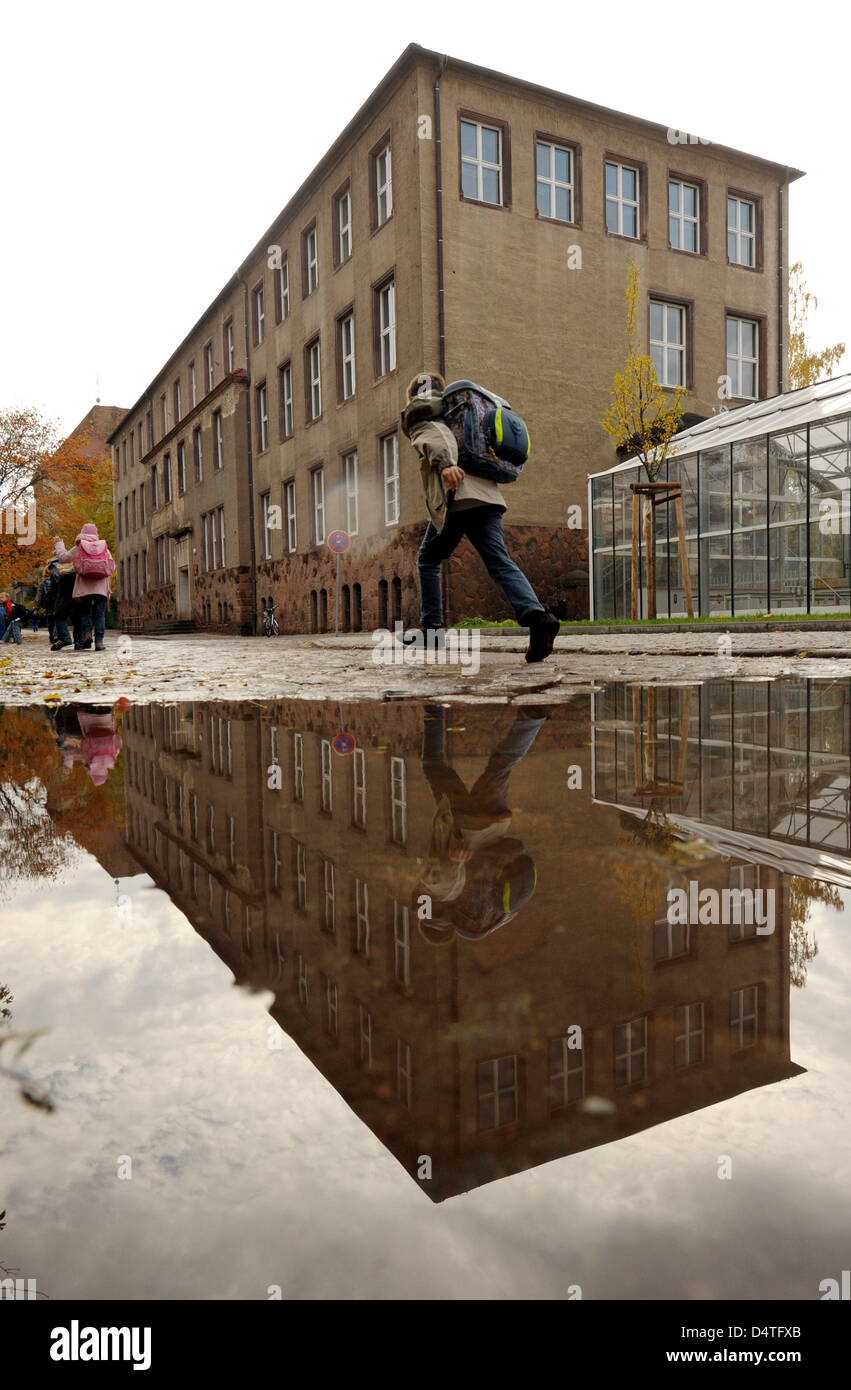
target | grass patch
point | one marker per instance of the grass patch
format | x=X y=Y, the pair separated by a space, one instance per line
x=717 y=620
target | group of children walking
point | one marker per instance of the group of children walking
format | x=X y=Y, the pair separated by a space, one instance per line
x=72 y=596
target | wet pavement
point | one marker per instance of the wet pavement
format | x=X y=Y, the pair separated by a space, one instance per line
x=533 y=995
x=340 y=667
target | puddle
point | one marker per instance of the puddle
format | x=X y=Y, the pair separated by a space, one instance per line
x=532 y=998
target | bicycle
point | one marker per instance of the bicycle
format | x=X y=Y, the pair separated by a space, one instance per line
x=270 y=622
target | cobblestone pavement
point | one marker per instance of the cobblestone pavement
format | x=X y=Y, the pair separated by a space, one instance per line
x=199 y=667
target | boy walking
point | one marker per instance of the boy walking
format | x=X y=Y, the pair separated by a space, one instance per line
x=461 y=503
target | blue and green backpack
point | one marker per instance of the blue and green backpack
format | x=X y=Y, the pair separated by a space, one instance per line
x=486 y=429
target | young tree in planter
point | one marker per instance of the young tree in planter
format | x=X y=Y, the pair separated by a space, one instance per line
x=642 y=420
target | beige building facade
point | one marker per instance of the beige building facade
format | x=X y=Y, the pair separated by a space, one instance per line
x=463 y=220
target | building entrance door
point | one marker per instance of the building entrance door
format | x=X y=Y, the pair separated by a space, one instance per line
x=184 y=602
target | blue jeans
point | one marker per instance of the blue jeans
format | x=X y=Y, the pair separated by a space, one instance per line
x=92 y=616
x=13 y=631
x=483 y=527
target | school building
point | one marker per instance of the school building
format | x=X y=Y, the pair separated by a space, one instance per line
x=463 y=220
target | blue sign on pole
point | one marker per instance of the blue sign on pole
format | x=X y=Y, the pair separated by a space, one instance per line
x=338 y=541
x=344 y=743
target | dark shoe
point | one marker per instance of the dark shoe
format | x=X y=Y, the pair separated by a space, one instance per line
x=87 y=642
x=543 y=630
x=57 y=646
x=99 y=647
x=78 y=647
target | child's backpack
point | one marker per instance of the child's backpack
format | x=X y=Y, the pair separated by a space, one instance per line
x=93 y=564
x=487 y=430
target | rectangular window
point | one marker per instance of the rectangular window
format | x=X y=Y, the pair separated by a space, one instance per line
x=329 y=897
x=364 y=1036
x=181 y=468
x=310 y=259
x=317 y=484
x=167 y=477
x=346 y=330
x=313 y=380
x=398 y=801
x=403 y=1073
x=743 y=358
x=230 y=356
x=668 y=342
x=481 y=162
x=361 y=917
x=303 y=981
x=208 y=365
x=298 y=766
x=197 y=455
x=142 y=504
x=554 y=177
x=350 y=472
x=282 y=285
x=285 y=384
x=193 y=385
x=289 y=513
x=155 y=493
x=401 y=943
x=622 y=200
x=741 y=231
x=688 y=1035
x=683 y=216
x=386 y=327
x=744 y=1018
x=497 y=1088
x=332 y=1010
x=566 y=1073
x=262 y=417
x=390 y=466
x=164 y=411
x=631 y=1052
x=258 y=300
x=205 y=536
x=218 y=439
x=343 y=221
x=178 y=410
x=327 y=789
x=383 y=185
x=265 y=503
x=300 y=874
x=221 y=515
x=359 y=788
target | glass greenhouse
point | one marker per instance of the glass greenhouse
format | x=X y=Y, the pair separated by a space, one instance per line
x=765 y=493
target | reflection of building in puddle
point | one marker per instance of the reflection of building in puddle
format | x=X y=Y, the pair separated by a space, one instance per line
x=450 y=1036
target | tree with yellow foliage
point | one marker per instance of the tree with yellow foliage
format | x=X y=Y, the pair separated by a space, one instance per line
x=806 y=367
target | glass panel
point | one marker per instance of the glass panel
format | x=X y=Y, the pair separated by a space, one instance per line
x=630 y=222
x=657 y=357
x=563 y=209
x=490 y=185
x=611 y=179
x=674 y=232
x=690 y=234
x=611 y=215
x=629 y=180
x=830 y=477
x=731 y=212
x=544 y=200
x=655 y=319
x=674 y=197
x=542 y=160
x=490 y=145
x=674 y=367
x=675 y=324
x=732 y=335
x=746 y=217
x=468 y=138
x=469 y=184
x=562 y=165
x=689 y=200
x=731 y=246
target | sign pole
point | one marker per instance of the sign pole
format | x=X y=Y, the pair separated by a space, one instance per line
x=337 y=604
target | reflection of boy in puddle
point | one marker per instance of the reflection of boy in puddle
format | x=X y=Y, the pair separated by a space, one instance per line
x=478 y=877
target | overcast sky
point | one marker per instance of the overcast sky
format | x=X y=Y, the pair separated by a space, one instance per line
x=147 y=147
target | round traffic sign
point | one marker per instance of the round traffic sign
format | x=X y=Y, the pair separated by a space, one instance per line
x=339 y=541
x=344 y=743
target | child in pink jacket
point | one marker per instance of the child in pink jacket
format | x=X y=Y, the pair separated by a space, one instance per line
x=91 y=590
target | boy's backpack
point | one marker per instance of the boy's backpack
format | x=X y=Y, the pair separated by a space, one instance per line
x=93 y=564
x=486 y=429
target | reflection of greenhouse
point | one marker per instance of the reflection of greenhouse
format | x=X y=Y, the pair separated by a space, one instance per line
x=766 y=506
x=762 y=768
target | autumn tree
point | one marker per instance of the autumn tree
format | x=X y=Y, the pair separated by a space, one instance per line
x=48 y=486
x=806 y=366
x=642 y=420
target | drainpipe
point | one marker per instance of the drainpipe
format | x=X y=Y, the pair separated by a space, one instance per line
x=782 y=286
x=251 y=541
x=441 y=295
x=438 y=164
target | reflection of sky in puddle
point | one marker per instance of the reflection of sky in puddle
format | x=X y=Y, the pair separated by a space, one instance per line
x=249 y=1169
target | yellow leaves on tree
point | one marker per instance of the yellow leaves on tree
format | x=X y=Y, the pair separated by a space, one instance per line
x=48 y=487
x=806 y=367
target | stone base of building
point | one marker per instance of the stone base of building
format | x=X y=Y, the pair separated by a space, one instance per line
x=377 y=589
